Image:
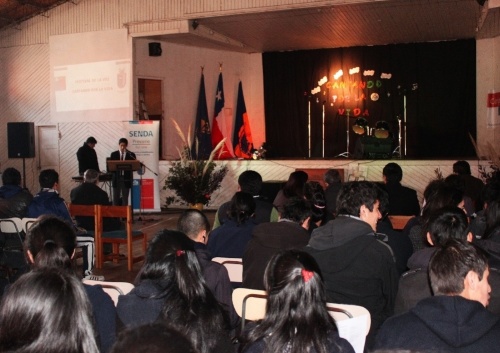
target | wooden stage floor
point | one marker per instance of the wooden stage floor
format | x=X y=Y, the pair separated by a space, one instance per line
x=150 y=224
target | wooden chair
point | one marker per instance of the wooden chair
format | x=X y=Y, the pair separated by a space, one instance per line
x=117 y=237
x=234 y=267
x=399 y=222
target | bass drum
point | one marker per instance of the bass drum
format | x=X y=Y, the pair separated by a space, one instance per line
x=359 y=126
x=382 y=130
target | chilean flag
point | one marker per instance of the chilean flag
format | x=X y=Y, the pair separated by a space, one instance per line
x=219 y=123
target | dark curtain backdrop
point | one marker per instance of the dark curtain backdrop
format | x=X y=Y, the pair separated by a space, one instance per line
x=438 y=80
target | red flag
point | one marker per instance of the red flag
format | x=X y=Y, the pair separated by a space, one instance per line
x=218 y=123
x=242 y=138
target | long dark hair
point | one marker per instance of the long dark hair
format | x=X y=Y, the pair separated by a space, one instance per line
x=51 y=241
x=242 y=207
x=492 y=214
x=296 y=317
x=294 y=187
x=189 y=305
x=47 y=311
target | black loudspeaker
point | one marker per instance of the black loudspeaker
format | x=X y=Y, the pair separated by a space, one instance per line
x=154 y=49
x=369 y=147
x=21 y=140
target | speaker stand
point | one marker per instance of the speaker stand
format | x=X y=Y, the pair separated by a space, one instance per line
x=24 y=172
x=346 y=154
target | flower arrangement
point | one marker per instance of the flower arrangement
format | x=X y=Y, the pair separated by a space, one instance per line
x=487 y=152
x=193 y=180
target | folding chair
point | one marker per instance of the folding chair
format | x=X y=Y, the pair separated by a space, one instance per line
x=85 y=211
x=117 y=237
x=26 y=223
x=234 y=268
x=12 y=258
x=113 y=289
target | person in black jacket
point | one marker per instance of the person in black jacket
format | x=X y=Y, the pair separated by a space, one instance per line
x=87 y=157
x=402 y=200
x=14 y=200
x=455 y=318
x=122 y=180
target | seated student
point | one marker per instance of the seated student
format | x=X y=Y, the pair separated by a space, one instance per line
x=402 y=200
x=251 y=182
x=290 y=232
x=455 y=318
x=333 y=184
x=157 y=337
x=446 y=223
x=294 y=187
x=196 y=226
x=313 y=191
x=50 y=243
x=47 y=311
x=48 y=202
x=490 y=241
x=489 y=193
x=170 y=287
x=230 y=239
x=296 y=318
x=14 y=200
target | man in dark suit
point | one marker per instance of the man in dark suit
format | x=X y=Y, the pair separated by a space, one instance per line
x=87 y=157
x=402 y=200
x=122 y=179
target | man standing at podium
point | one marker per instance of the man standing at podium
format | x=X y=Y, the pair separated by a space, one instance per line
x=87 y=157
x=122 y=179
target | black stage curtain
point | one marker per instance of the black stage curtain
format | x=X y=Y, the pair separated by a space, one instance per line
x=437 y=79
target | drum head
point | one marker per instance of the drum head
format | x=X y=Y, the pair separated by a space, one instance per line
x=382 y=129
x=359 y=126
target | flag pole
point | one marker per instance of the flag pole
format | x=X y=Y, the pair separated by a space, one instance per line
x=309 y=124
x=323 y=117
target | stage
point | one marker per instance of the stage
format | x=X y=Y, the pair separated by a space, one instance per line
x=416 y=173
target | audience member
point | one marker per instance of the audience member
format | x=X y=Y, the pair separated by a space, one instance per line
x=48 y=202
x=152 y=338
x=230 y=239
x=313 y=191
x=290 y=232
x=490 y=241
x=490 y=192
x=402 y=200
x=455 y=181
x=473 y=185
x=357 y=267
x=250 y=182
x=400 y=245
x=446 y=223
x=46 y=311
x=333 y=184
x=50 y=243
x=14 y=200
x=294 y=187
x=455 y=318
x=296 y=318
x=196 y=226
x=171 y=287
x=87 y=157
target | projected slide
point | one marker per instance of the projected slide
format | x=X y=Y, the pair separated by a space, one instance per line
x=91 y=77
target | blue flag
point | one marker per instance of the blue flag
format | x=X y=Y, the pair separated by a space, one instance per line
x=202 y=144
x=242 y=137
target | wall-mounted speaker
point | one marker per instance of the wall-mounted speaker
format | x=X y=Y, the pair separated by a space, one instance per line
x=154 y=49
x=21 y=140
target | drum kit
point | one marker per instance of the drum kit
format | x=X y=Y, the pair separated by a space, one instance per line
x=380 y=131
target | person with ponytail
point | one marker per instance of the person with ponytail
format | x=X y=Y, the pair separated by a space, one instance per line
x=296 y=318
x=50 y=244
x=47 y=311
x=170 y=288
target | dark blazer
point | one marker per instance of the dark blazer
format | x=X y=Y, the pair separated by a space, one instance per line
x=402 y=200
x=127 y=175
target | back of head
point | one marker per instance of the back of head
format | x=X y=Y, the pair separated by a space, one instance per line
x=51 y=243
x=490 y=191
x=295 y=184
x=448 y=223
x=454 y=180
x=48 y=178
x=91 y=176
x=451 y=263
x=393 y=172
x=11 y=176
x=461 y=168
x=492 y=215
x=332 y=176
x=192 y=222
x=316 y=195
x=442 y=196
x=242 y=207
x=152 y=338
x=297 y=210
x=91 y=140
x=296 y=312
x=47 y=311
x=251 y=182
x=354 y=194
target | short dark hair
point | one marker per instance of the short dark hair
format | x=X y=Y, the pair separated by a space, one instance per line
x=241 y=207
x=11 y=176
x=355 y=194
x=461 y=168
x=48 y=178
x=393 y=172
x=250 y=181
x=123 y=140
x=157 y=337
x=446 y=223
x=91 y=140
x=192 y=222
x=332 y=176
x=297 y=210
x=450 y=264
